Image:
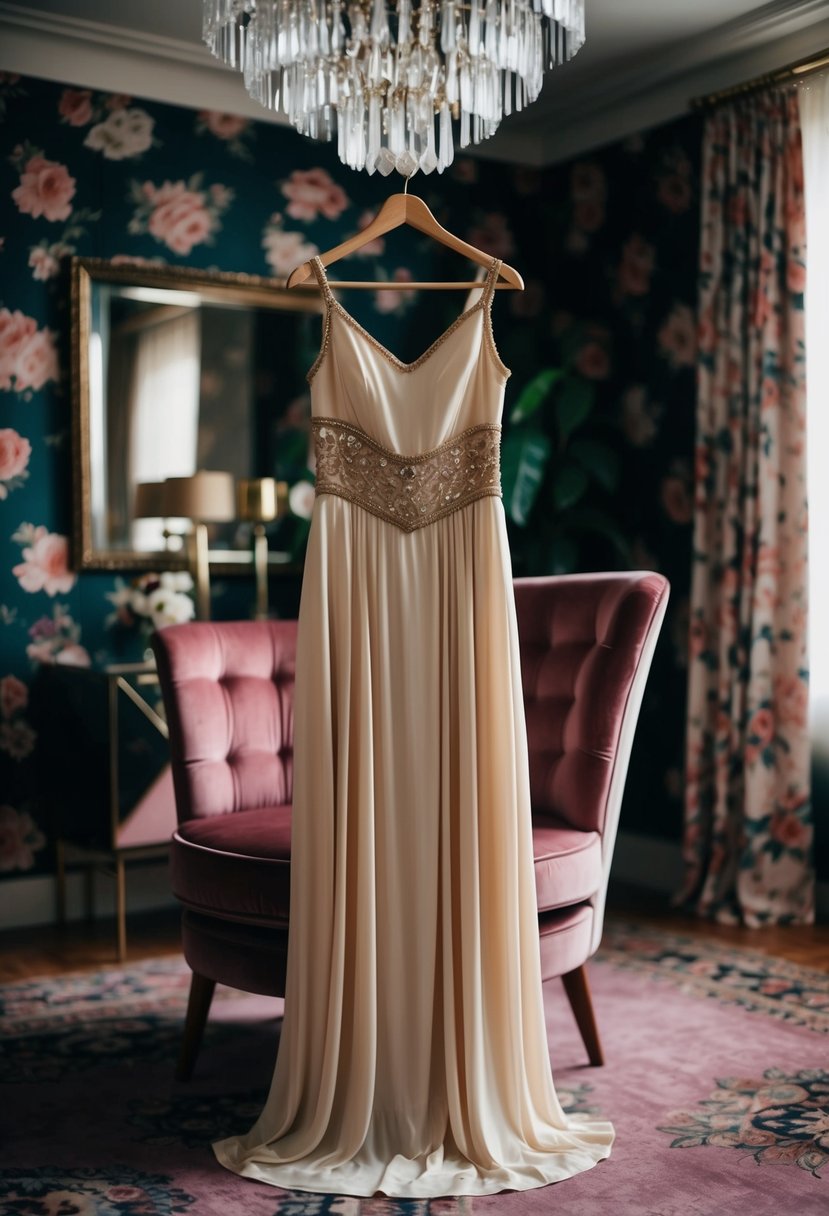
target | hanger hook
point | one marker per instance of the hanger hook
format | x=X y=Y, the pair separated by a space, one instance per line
x=409 y=177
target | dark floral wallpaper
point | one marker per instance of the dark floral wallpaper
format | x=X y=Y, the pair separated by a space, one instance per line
x=607 y=246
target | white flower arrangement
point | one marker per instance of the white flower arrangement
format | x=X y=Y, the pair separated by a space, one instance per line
x=152 y=601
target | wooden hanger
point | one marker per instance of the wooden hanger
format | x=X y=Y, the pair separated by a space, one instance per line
x=399 y=209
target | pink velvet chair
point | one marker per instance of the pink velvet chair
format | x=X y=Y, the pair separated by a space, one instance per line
x=587 y=642
x=586 y=646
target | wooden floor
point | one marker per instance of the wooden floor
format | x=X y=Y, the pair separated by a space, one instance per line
x=48 y=950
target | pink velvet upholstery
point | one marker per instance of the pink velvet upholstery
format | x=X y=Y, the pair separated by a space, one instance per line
x=238 y=866
x=586 y=646
x=568 y=864
x=228 y=690
x=581 y=642
x=586 y=642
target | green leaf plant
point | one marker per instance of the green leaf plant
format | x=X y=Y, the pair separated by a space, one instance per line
x=555 y=476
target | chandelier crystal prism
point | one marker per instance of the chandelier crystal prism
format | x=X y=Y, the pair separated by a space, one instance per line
x=395 y=82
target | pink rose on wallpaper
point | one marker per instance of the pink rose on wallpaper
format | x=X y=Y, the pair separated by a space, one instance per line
x=181 y=222
x=28 y=357
x=17 y=739
x=493 y=236
x=223 y=126
x=313 y=192
x=14 y=695
x=179 y=214
x=388 y=301
x=15 y=451
x=15 y=331
x=639 y=416
x=675 y=493
x=20 y=839
x=45 y=189
x=633 y=277
x=75 y=107
x=56 y=639
x=677 y=338
x=45 y=565
x=40 y=652
x=220 y=196
x=43 y=262
x=37 y=361
x=373 y=248
x=285 y=250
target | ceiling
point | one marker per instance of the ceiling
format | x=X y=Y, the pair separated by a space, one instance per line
x=642 y=61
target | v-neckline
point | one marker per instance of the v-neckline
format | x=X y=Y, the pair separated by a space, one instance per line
x=395 y=361
x=390 y=355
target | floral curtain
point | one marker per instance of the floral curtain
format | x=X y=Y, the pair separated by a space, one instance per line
x=748 y=827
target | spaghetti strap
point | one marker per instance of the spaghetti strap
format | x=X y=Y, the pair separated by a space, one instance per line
x=322 y=278
x=491 y=280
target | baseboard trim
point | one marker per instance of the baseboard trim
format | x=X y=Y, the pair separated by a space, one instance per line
x=656 y=865
x=26 y=902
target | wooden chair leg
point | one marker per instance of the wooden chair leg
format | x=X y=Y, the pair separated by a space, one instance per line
x=198 y=1007
x=578 y=994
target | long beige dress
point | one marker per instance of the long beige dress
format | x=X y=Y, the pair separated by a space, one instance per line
x=413 y=1059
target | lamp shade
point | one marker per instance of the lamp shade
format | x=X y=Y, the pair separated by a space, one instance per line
x=149 y=500
x=207 y=497
x=256 y=499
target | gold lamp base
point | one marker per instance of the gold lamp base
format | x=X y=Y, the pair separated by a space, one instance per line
x=260 y=500
x=199 y=561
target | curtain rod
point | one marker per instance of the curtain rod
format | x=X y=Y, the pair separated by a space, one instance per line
x=792 y=71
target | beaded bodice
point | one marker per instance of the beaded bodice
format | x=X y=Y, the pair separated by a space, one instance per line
x=410 y=491
x=408 y=442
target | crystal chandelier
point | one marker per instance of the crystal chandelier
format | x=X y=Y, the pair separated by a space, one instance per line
x=389 y=77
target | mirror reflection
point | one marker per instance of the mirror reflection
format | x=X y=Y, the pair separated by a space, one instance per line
x=177 y=377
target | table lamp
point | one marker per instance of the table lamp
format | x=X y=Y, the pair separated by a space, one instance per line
x=148 y=500
x=149 y=504
x=259 y=500
x=205 y=497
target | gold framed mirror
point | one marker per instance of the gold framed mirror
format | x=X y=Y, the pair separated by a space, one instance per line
x=176 y=370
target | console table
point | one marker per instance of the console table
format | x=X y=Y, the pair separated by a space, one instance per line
x=104 y=774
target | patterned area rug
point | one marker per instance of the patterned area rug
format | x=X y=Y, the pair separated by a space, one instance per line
x=717 y=1079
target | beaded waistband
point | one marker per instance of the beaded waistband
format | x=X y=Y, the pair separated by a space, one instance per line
x=409 y=491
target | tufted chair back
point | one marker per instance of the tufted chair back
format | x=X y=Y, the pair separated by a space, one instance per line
x=587 y=641
x=231 y=719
